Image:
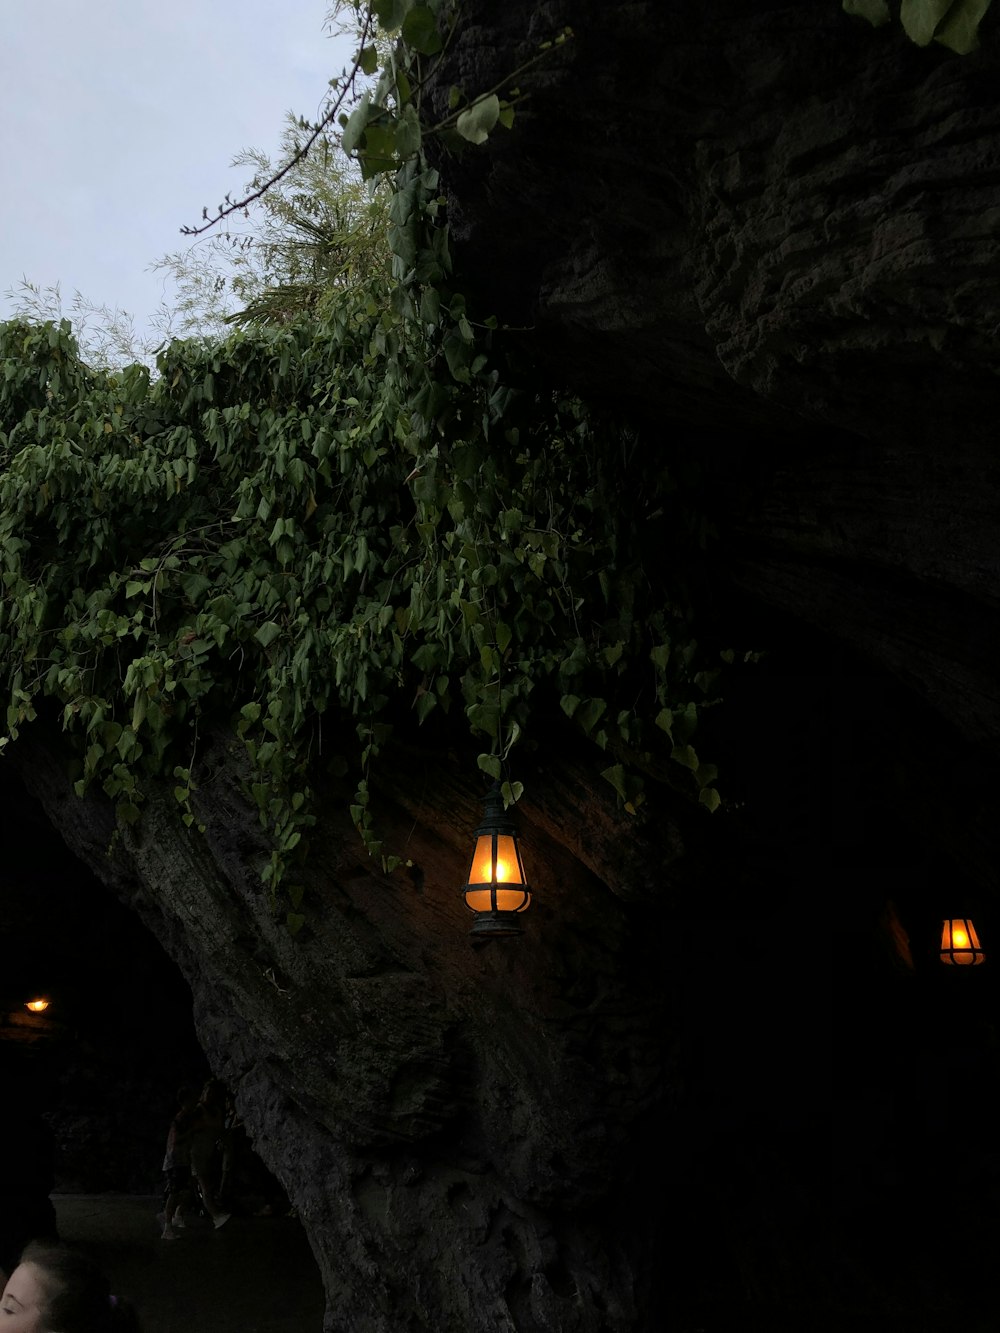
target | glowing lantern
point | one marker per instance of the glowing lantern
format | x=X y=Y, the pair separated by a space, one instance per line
x=960 y=943
x=497 y=890
x=37 y=1006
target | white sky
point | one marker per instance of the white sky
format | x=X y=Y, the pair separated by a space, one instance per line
x=119 y=120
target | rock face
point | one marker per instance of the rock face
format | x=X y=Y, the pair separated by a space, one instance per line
x=719 y=1068
x=448 y=1120
x=767 y=233
x=770 y=236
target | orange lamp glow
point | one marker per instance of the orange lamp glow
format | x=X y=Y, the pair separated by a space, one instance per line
x=497 y=891
x=960 y=943
x=37 y=1006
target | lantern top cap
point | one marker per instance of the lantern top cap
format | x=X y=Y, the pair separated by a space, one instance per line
x=495 y=818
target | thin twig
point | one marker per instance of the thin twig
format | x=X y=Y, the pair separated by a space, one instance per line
x=225 y=212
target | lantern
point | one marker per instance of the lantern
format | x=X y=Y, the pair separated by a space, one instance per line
x=497 y=891
x=960 y=943
x=37 y=1006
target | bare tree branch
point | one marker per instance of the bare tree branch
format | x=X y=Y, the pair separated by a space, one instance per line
x=228 y=208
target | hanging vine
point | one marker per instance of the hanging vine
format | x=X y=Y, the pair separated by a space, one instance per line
x=353 y=517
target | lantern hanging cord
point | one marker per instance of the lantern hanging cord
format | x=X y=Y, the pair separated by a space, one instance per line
x=500 y=750
x=501 y=754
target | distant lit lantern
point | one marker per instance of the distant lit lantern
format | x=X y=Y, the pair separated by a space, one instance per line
x=960 y=943
x=38 y=1006
x=497 y=891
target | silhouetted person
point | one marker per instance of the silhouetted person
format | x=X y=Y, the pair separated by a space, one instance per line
x=177 y=1160
x=207 y=1137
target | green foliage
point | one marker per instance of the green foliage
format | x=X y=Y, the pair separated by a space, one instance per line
x=953 y=23
x=338 y=517
x=109 y=336
x=389 y=125
x=296 y=525
x=317 y=231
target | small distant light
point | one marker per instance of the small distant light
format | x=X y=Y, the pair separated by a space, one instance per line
x=37 y=1006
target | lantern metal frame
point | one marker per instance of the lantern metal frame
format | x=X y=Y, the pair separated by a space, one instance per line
x=972 y=951
x=497 y=823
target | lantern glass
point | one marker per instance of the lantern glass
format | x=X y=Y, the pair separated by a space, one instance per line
x=959 y=943
x=37 y=1006
x=495 y=865
x=508 y=863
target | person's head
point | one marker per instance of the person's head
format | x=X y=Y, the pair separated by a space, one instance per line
x=187 y=1096
x=55 y=1289
x=213 y=1094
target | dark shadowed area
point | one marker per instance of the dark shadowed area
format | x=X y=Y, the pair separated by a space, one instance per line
x=255 y=1275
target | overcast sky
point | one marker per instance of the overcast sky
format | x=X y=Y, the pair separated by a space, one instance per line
x=119 y=120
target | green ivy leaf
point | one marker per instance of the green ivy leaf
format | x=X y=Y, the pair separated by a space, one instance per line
x=476 y=121
x=267 y=633
x=368 y=60
x=490 y=763
x=355 y=127
x=426 y=703
x=685 y=754
x=875 y=11
x=960 y=29
x=420 y=31
x=390 y=13
x=378 y=152
x=406 y=138
x=589 y=713
x=685 y=722
x=920 y=18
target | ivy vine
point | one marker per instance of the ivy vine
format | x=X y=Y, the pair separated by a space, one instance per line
x=310 y=531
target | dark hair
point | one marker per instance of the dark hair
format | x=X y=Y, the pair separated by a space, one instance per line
x=187 y=1092
x=77 y=1294
x=213 y=1095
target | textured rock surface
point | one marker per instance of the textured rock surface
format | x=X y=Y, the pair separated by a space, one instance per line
x=700 y=197
x=707 y=1084
x=447 y=1120
x=773 y=235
